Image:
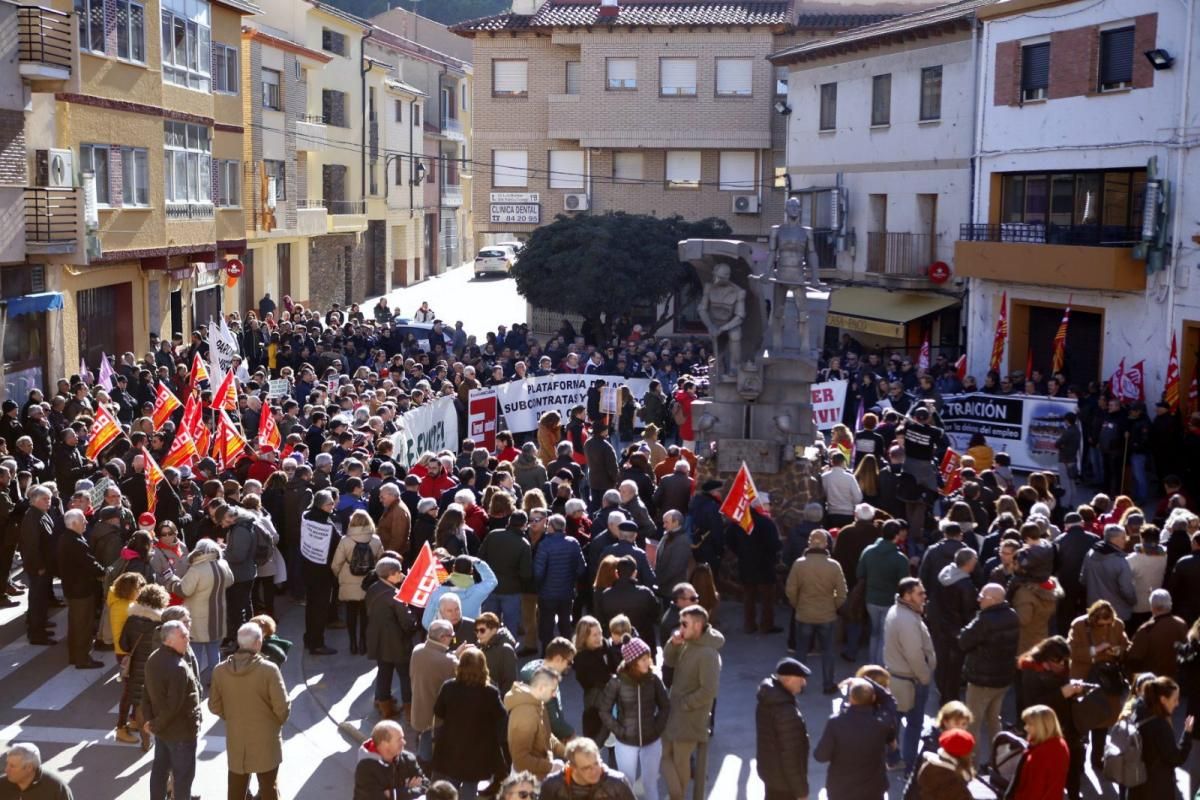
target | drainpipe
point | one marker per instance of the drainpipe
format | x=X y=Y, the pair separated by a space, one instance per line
x=1176 y=188
x=364 y=66
x=412 y=159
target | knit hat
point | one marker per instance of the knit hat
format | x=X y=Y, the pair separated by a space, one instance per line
x=957 y=742
x=632 y=648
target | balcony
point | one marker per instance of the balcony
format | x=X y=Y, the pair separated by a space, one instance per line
x=453 y=129
x=311 y=218
x=311 y=133
x=452 y=195
x=44 y=46
x=177 y=212
x=346 y=216
x=1067 y=256
x=52 y=220
x=900 y=257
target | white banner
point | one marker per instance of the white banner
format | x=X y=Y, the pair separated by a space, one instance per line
x=1024 y=426
x=315 y=538
x=523 y=402
x=222 y=347
x=828 y=400
x=433 y=427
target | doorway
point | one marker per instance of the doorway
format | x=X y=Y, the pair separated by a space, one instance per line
x=177 y=313
x=283 y=258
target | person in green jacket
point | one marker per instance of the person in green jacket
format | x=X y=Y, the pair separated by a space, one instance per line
x=883 y=565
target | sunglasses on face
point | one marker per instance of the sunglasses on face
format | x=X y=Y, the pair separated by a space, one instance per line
x=481 y=629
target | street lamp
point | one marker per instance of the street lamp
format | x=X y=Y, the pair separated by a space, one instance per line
x=1159 y=59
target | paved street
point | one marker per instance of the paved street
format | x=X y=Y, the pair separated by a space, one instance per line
x=481 y=303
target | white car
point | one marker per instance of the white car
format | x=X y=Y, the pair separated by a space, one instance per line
x=515 y=246
x=493 y=259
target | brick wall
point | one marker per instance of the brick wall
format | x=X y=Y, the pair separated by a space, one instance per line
x=327 y=257
x=1074 y=62
x=252 y=111
x=13 y=164
x=1145 y=32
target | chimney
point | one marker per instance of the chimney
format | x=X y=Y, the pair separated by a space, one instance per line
x=609 y=9
x=527 y=8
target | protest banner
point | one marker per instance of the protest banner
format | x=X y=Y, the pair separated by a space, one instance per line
x=482 y=413
x=828 y=400
x=433 y=426
x=96 y=493
x=523 y=402
x=1024 y=426
x=277 y=387
x=315 y=539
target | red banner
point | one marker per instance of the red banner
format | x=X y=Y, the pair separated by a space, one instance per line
x=1171 y=391
x=421 y=581
x=950 y=470
x=741 y=494
x=482 y=415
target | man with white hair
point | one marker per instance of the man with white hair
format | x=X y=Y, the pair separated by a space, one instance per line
x=248 y=693
x=675 y=490
x=23 y=770
x=635 y=509
x=80 y=573
x=1153 y=648
x=37 y=539
x=459 y=600
x=394 y=526
x=171 y=708
x=1106 y=575
x=432 y=664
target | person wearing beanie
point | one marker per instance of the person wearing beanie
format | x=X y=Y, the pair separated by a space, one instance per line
x=782 y=734
x=945 y=775
x=634 y=708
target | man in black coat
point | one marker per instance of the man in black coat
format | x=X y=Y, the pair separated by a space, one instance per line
x=989 y=644
x=946 y=616
x=1183 y=582
x=603 y=471
x=758 y=557
x=782 y=735
x=708 y=527
x=853 y=745
x=37 y=538
x=1070 y=549
x=675 y=490
x=633 y=600
x=68 y=463
x=81 y=574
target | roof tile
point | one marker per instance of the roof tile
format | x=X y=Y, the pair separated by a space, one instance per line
x=560 y=14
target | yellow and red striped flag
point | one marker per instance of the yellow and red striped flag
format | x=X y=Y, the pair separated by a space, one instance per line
x=182 y=451
x=268 y=431
x=226 y=394
x=154 y=476
x=1001 y=335
x=199 y=372
x=104 y=430
x=165 y=403
x=230 y=443
x=1060 y=341
x=1171 y=391
x=741 y=494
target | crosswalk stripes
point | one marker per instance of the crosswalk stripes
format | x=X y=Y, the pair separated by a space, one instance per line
x=19 y=652
x=65 y=686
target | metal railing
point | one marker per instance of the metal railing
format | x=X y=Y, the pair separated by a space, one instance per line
x=346 y=206
x=1036 y=233
x=44 y=36
x=452 y=194
x=312 y=119
x=899 y=253
x=313 y=202
x=452 y=125
x=180 y=211
x=51 y=215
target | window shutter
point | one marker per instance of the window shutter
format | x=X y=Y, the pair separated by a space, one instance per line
x=622 y=72
x=627 y=166
x=683 y=167
x=510 y=77
x=510 y=168
x=566 y=169
x=737 y=171
x=1116 y=56
x=574 y=70
x=1035 y=66
x=736 y=76
x=678 y=75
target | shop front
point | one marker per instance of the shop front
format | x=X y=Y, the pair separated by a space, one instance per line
x=893 y=321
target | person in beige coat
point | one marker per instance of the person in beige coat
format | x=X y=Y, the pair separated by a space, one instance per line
x=395 y=523
x=431 y=665
x=202 y=588
x=350 y=574
x=248 y=694
x=816 y=588
x=530 y=743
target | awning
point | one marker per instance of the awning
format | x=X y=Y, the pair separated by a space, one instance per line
x=33 y=303
x=880 y=312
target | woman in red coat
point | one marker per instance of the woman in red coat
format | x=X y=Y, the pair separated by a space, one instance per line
x=1043 y=773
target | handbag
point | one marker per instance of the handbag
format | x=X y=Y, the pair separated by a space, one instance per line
x=855 y=607
x=1108 y=675
x=127 y=659
x=1092 y=710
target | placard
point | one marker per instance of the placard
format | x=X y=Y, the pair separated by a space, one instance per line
x=96 y=493
x=482 y=416
x=519 y=213
x=277 y=387
x=315 y=539
x=1024 y=426
x=514 y=197
x=828 y=401
x=523 y=402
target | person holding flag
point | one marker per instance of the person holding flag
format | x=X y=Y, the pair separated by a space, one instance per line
x=758 y=556
x=391 y=627
x=104 y=432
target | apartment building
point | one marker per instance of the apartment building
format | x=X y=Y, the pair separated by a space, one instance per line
x=879 y=144
x=1086 y=195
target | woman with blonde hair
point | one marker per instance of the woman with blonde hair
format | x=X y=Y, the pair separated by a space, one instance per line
x=867 y=475
x=353 y=560
x=596 y=661
x=1098 y=638
x=549 y=434
x=533 y=499
x=606 y=575
x=841 y=440
x=1043 y=771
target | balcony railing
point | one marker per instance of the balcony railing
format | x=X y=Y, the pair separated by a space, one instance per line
x=183 y=211
x=345 y=206
x=44 y=37
x=1035 y=233
x=907 y=254
x=312 y=119
x=312 y=202
x=450 y=125
x=51 y=216
x=452 y=194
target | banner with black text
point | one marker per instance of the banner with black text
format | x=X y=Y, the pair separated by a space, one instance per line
x=1024 y=426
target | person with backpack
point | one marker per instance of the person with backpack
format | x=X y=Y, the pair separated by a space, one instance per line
x=1042 y=774
x=242 y=550
x=354 y=559
x=1146 y=732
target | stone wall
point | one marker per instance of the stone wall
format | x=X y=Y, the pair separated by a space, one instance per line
x=790 y=489
x=327 y=260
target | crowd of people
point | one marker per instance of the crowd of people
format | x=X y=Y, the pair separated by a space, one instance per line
x=592 y=547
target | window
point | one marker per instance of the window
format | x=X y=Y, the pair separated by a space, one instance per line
x=333 y=42
x=399 y=171
x=416 y=115
x=574 y=76
x=621 y=73
x=828 y=107
x=566 y=169
x=931 y=93
x=278 y=171
x=735 y=77
x=1082 y=208
x=627 y=167
x=677 y=76
x=187 y=163
x=510 y=168
x=463 y=94
x=683 y=169
x=333 y=108
x=271 y=96
x=737 y=171
x=399 y=110
x=510 y=78
x=1035 y=71
x=881 y=100
x=94 y=159
x=225 y=70
x=1116 y=59
x=131 y=31
x=228 y=175
x=90 y=14
x=186 y=34
x=135 y=176
x=781 y=81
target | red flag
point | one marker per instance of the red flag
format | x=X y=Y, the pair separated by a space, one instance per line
x=268 y=431
x=154 y=476
x=231 y=443
x=1001 y=335
x=1171 y=391
x=1136 y=382
x=226 y=394
x=1060 y=341
x=737 y=503
x=182 y=451
x=421 y=581
x=165 y=403
x=960 y=367
x=199 y=372
x=950 y=470
x=923 y=358
x=1029 y=363
x=104 y=430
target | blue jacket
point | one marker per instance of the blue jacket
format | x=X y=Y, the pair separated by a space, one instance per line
x=472 y=596
x=645 y=572
x=557 y=565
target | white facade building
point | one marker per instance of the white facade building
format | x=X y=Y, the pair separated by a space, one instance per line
x=1071 y=110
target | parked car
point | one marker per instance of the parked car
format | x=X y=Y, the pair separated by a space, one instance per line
x=492 y=259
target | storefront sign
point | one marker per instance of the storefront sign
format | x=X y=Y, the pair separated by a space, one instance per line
x=889 y=330
x=1024 y=426
x=514 y=197
x=520 y=213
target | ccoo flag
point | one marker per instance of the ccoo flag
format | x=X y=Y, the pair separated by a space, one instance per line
x=422 y=580
x=741 y=494
x=154 y=476
x=1171 y=391
x=104 y=430
x=165 y=403
x=1001 y=335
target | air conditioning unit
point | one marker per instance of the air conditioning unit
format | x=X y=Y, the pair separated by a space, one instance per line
x=745 y=204
x=54 y=167
x=575 y=202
